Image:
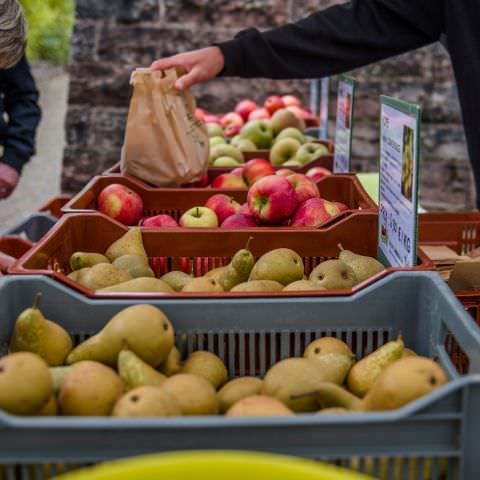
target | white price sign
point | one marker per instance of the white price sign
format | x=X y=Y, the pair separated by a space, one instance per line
x=344 y=127
x=399 y=167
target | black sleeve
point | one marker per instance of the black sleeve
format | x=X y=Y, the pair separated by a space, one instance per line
x=335 y=40
x=21 y=105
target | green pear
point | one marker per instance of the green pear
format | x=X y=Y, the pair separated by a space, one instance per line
x=146 y=401
x=136 y=265
x=78 y=275
x=193 y=394
x=333 y=274
x=291 y=132
x=258 y=286
x=25 y=383
x=281 y=265
x=226 y=151
x=177 y=280
x=364 y=267
x=302 y=285
x=203 y=284
x=238 y=271
x=236 y=390
x=130 y=243
x=208 y=366
x=143 y=329
x=81 y=260
x=89 y=389
x=103 y=275
x=146 y=284
x=135 y=372
x=173 y=363
x=34 y=333
x=365 y=372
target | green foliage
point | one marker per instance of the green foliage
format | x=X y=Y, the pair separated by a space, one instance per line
x=50 y=25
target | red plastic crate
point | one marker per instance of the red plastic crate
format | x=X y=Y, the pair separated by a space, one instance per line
x=199 y=251
x=12 y=248
x=54 y=205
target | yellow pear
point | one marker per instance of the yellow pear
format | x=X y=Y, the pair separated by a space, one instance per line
x=236 y=390
x=258 y=286
x=143 y=329
x=302 y=285
x=136 y=265
x=25 y=383
x=216 y=273
x=130 y=243
x=141 y=284
x=135 y=372
x=193 y=394
x=281 y=265
x=81 y=260
x=176 y=280
x=324 y=345
x=363 y=266
x=50 y=409
x=259 y=406
x=203 y=284
x=89 y=389
x=146 y=401
x=34 y=333
x=173 y=363
x=208 y=366
x=103 y=275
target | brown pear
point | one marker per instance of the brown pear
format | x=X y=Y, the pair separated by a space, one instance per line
x=324 y=345
x=146 y=401
x=173 y=364
x=259 y=406
x=236 y=390
x=208 y=366
x=130 y=243
x=203 y=284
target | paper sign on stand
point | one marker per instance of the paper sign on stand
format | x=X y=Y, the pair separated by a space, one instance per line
x=344 y=128
x=399 y=168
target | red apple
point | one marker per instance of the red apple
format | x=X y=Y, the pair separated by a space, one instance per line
x=304 y=187
x=237 y=171
x=341 y=206
x=285 y=172
x=121 y=203
x=272 y=199
x=227 y=180
x=200 y=114
x=291 y=100
x=245 y=209
x=231 y=118
x=314 y=213
x=231 y=130
x=317 y=173
x=159 y=221
x=212 y=119
x=256 y=169
x=245 y=107
x=273 y=103
x=299 y=112
x=239 y=220
x=223 y=206
x=259 y=114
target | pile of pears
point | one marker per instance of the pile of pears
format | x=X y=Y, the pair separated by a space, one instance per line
x=132 y=368
x=125 y=268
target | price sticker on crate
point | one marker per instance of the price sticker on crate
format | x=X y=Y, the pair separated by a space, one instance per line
x=399 y=168
x=344 y=128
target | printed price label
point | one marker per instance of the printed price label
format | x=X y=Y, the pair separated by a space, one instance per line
x=399 y=166
x=344 y=128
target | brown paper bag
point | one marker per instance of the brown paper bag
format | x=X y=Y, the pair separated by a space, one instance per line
x=165 y=144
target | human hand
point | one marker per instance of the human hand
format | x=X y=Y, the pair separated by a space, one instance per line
x=9 y=178
x=201 y=66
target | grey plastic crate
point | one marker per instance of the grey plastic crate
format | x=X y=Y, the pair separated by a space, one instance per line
x=438 y=432
x=34 y=227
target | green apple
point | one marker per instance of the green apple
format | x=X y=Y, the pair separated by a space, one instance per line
x=309 y=152
x=283 y=119
x=199 y=217
x=226 y=151
x=246 y=145
x=259 y=132
x=284 y=150
x=225 y=162
x=292 y=163
x=214 y=130
x=217 y=141
x=291 y=132
x=234 y=140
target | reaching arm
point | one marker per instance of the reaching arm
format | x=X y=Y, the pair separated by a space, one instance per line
x=331 y=41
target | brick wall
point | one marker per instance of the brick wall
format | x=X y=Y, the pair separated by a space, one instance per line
x=112 y=37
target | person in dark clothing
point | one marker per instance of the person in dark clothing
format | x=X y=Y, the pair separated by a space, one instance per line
x=19 y=101
x=347 y=36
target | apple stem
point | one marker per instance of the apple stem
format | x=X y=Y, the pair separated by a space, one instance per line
x=36 y=302
x=247 y=246
x=340 y=246
x=197 y=213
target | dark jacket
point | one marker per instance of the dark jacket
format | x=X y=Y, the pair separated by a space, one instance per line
x=19 y=101
x=355 y=34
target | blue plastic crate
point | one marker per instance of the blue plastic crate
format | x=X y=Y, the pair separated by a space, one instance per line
x=437 y=433
x=34 y=227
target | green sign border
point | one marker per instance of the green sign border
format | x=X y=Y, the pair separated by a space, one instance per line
x=414 y=111
x=352 y=82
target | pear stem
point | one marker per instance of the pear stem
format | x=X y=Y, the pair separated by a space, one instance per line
x=36 y=302
x=247 y=246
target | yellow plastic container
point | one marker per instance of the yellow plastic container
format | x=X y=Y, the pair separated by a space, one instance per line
x=214 y=466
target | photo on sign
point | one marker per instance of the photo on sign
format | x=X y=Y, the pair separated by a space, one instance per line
x=407 y=162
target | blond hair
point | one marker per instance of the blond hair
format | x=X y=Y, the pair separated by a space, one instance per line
x=13 y=33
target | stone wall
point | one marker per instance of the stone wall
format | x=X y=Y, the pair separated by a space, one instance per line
x=112 y=37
